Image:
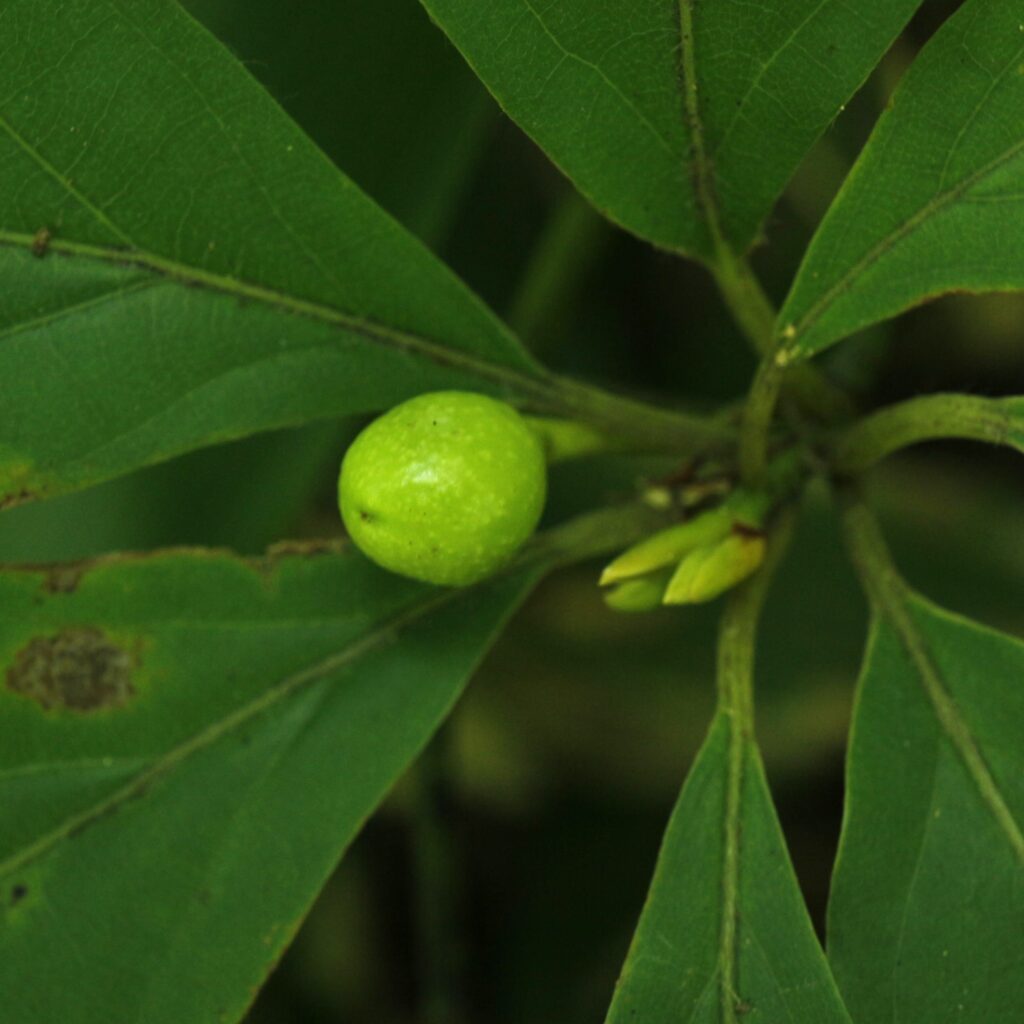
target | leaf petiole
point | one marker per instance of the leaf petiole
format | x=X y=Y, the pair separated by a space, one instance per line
x=929 y=418
x=756 y=317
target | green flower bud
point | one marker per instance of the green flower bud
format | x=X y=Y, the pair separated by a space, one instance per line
x=667 y=546
x=711 y=570
x=639 y=595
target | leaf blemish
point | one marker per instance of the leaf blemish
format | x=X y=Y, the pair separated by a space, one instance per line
x=77 y=669
x=301 y=549
x=64 y=579
x=18 y=893
x=18 y=498
x=41 y=242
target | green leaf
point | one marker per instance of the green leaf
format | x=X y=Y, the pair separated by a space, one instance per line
x=679 y=957
x=245 y=495
x=409 y=137
x=375 y=86
x=187 y=743
x=207 y=273
x=681 y=121
x=926 y=920
x=936 y=201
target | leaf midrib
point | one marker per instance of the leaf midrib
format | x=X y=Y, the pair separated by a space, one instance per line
x=732 y=854
x=403 y=341
x=701 y=172
x=895 y=605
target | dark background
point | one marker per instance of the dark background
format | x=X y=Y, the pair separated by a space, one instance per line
x=565 y=757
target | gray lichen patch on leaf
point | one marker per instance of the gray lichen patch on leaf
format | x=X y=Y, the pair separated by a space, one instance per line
x=78 y=669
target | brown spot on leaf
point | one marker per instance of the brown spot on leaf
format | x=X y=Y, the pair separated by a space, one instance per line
x=16 y=498
x=18 y=892
x=305 y=548
x=63 y=579
x=41 y=242
x=78 y=669
x=287 y=549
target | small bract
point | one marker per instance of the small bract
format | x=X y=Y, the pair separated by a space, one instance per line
x=444 y=488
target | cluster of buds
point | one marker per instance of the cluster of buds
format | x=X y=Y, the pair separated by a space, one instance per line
x=693 y=561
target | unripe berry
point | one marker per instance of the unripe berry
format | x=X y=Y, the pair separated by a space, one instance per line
x=443 y=488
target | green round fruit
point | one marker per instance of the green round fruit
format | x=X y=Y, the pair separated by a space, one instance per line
x=444 y=488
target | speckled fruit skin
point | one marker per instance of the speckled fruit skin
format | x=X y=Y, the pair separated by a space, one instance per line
x=443 y=488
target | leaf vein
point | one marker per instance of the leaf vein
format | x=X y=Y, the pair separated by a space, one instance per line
x=602 y=74
x=755 y=83
x=48 y=168
x=77 y=307
x=702 y=175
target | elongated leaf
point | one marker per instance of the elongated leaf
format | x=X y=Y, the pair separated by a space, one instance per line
x=926 y=920
x=410 y=140
x=936 y=201
x=207 y=272
x=187 y=742
x=377 y=88
x=679 y=960
x=678 y=119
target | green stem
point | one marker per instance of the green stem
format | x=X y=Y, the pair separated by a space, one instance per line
x=436 y=873
x=639 y=426
x=932 y=417
x=596 y=533
x=756 y=316
x=737 y=638
x=890 y=601
x=570 y=244
x=870 y=555
x=755 y=432
x=567 y=439
x=742 y=292
x=746 y=300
